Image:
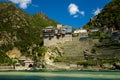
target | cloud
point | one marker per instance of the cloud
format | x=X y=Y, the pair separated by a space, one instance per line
x=34 y=5
x=82 y=13
x=97 y=11
x=22 y=3
x=73 y=10
x=75 y=16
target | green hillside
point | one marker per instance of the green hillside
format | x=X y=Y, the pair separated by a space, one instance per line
x=109 y=17
x=21 y=30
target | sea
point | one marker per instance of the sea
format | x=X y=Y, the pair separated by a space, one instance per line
x=59 y=75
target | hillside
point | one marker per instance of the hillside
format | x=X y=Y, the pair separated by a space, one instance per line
x=108 y=23
x=109 y=17
x=21 y=30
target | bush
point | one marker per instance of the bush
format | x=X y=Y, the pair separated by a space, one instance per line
x=108 y=61
x=93 y=51
x=4 y=59
x=105 y=36
x=85 y=64
x=95 y=35
x=57 y=59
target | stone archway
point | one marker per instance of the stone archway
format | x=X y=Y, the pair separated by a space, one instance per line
x=30 y=65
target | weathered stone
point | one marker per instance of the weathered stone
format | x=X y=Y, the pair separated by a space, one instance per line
x=14 y=53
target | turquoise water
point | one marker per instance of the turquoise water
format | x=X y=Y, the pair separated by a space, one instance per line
x=59 y=75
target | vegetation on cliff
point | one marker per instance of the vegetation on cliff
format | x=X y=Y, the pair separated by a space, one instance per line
x=109 y=17
x=107 y=50
x=21 y=30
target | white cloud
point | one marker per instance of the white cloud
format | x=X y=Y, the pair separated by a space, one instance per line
x=22 y=3
x=97 y=11
x=75 y=16
x=34 y=5
x=82 y=13
x=73 y=10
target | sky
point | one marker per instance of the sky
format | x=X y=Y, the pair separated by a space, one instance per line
x=75 y=13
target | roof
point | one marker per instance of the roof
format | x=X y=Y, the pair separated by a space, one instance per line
x=22 y=58
x=80 y=31
x=28 y=61
x=67 y=29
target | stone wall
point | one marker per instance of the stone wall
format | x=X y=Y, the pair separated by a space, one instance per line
x=6 y=68
x=54 y=41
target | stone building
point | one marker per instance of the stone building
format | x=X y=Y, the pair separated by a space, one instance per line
x=54 y=35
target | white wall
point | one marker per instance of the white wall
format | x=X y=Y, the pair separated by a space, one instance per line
x=80 y=31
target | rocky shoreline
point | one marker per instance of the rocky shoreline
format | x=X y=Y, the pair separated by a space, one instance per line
x=49 y=66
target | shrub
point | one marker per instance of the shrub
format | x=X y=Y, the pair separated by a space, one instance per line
x=57 y=59
x=93 y=50
x=85 y=64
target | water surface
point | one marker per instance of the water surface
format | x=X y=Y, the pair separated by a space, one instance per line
x=59 y=75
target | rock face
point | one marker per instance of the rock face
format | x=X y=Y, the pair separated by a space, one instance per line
x=50 y=57
x=64 y=55
x=14 y=53
x=117 y=65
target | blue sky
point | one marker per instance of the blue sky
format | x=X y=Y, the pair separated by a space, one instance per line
x=75 y=13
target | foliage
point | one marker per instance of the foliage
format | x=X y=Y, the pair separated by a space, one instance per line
x=4 y=59
x=95 y=35
x=93 y=50
x=40 y=51
x=110 y=16
x=21 y=30
x=110 y=61
x=104 y=36
x=85 y=63
x=111 y=44
x=57 y=59
x=7 y=47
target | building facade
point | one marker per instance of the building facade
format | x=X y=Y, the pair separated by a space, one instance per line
x=54 y=35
